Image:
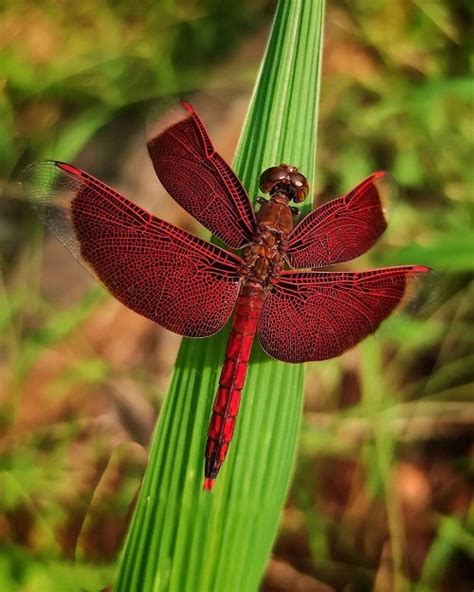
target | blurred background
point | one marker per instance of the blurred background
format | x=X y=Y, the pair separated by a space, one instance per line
x=382 y=495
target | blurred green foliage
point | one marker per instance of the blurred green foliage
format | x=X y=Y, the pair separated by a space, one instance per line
x=399 y=97
x=66 y=68
x=397 y=94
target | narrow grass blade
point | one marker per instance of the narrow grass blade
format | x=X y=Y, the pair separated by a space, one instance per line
x=182 y=538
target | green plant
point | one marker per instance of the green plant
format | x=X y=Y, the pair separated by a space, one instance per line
x=182 y=538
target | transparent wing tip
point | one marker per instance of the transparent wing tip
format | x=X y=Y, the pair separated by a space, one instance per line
x=39 y=181
x=387 y=189
x=422 y=289
x=168 y=113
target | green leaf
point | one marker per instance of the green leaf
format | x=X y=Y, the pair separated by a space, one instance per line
x=182 y=538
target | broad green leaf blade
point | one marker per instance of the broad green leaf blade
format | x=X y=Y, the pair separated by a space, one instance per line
x=182 y=538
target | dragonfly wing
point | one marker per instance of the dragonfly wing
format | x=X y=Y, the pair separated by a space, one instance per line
x=343 y=228
x=158 y=270
x=319 y=315
x=197 y=177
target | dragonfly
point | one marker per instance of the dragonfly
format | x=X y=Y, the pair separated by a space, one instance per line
x=270 y=278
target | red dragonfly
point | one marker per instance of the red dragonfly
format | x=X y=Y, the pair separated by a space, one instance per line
x=191 y=286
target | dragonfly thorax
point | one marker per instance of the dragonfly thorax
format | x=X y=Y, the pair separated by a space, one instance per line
x=263 y=257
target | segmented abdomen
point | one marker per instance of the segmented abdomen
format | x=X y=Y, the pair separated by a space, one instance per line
x=232 y=379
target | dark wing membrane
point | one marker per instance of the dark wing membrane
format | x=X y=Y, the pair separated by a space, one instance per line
x=197 y=177
x=158 y=270
x=344 y=228
x=319 y=315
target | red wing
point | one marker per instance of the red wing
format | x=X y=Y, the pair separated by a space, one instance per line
x=196 y=176
x=162 y=272
x=319 y=315
x=344 y=228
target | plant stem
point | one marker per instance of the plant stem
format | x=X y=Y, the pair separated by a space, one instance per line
x=182 y=538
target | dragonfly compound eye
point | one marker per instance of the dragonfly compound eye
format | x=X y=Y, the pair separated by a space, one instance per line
x=270 y=177
x=300 y=187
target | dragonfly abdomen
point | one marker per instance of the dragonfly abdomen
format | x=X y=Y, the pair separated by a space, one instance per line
x=232 y=379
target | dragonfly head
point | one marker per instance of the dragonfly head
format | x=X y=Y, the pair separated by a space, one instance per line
x=284 y=179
